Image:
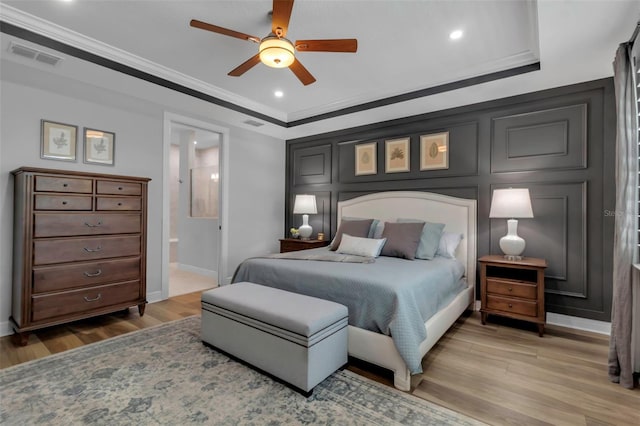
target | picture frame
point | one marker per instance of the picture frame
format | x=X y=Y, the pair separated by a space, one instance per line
x=58 y=141
x=99 y=147
x=397 y=155
x=366 y=161
x=434 y=151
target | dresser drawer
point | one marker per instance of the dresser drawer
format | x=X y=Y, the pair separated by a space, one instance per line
x=54 y=278
x=62 y=225
x=63 y=184
x=119 y=203
x=63 y=202
x=48 y=306
x=512 y=288
x=118 y=188
x=61 y=250
x=516 y=306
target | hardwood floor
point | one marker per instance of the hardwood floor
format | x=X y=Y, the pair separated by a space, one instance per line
x=501 y=373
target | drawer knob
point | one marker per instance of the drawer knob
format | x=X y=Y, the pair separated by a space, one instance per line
x=119 y=204
x=510 y=305
x=119 y=188
x=93 y=274
x=64 y=185
x=510 y=288
x=90 y=250
x=86 y=299
x=64 y=203
x=93 y=226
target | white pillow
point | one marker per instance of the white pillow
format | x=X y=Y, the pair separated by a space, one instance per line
x=449 y=242
x=361 y=246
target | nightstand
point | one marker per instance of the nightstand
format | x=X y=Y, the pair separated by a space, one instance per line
x=513 y=288
x=295 y=244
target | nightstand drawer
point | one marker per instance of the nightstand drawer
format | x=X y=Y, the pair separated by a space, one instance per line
x=512 y=288
x=515 y=306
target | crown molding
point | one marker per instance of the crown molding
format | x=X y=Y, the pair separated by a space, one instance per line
x=56 y=32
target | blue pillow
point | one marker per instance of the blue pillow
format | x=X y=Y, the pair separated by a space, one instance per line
x=429 y=240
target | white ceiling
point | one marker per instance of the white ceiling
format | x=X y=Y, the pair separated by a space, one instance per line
x=403 y=46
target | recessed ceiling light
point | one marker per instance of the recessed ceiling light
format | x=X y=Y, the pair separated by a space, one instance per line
x=455 y=35
x=278 y=93
x=195 y=142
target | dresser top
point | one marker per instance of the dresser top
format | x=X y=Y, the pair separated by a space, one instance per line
x=75 y=173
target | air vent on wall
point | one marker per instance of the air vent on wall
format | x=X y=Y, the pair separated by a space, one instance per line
x=253 y=123
x=31 y=53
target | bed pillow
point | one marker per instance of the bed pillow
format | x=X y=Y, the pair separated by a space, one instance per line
x=448 y=244
x=355 y=228
x=360 y=246
x=402 y=239
x=429 y=240
x=372 y=229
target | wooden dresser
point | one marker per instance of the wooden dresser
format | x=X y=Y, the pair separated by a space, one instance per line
x=513 y=288
x=79 y=246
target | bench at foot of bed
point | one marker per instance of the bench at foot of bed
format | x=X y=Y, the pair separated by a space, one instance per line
x=298 y=339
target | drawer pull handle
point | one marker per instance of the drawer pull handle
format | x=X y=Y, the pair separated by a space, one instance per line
x=64 y=203
x=93 y=226
x=510 y=305
x=92 y=250
x=119 y=188
x=86 y=299
x=119 y=204
x=510 y=289
x=94 y=274
x=64 y=185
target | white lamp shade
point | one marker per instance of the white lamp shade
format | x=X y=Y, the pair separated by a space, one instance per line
x=511 y=203
x=305 y=204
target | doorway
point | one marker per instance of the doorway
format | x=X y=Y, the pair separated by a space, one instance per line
x=194 y=252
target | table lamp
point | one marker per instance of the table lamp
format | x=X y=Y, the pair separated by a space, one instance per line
x=510 y=204
x=305 y=205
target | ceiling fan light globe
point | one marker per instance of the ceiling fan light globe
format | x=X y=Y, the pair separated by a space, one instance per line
x=276 y=52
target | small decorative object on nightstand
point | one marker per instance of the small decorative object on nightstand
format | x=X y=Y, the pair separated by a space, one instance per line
x=513 y=288
x=295 y=244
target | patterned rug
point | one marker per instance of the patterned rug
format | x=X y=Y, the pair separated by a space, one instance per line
x=165 y=376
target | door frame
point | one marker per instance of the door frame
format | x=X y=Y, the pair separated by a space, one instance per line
x=223 y=197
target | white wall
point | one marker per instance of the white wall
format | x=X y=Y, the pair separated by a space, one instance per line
x=256 y=162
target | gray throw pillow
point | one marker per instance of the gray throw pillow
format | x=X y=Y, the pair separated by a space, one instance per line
x=402 y=239
x=429 y=240
x=372 y=228
x=355 y=228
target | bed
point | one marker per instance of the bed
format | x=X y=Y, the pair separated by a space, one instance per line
x=371 y=341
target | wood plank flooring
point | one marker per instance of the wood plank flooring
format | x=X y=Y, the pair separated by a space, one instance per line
x=501 y=373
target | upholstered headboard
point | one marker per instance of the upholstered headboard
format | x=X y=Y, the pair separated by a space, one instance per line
x=458 y=215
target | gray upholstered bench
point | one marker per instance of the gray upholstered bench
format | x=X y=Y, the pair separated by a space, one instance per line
x=299 y=339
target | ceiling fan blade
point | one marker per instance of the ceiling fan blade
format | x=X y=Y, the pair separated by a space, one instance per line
x=337 y=45
x=245 y=66
x=224 y=31
x=301 y=72
x=281 y=15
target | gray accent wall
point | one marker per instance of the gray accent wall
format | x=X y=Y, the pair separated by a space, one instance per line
x=559 y=143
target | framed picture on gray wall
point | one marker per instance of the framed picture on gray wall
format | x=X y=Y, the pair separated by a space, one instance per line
x=366 y=160
x=397 y=155
x=434 y=151
x=99 y=147
x=58 y=141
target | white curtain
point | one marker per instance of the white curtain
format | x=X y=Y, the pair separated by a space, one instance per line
x=625 y=250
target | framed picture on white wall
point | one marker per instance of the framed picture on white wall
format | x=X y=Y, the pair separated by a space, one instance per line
x=99 y=147
x=58 y=141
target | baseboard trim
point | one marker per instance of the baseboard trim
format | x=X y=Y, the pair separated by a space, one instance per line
x=5 y=328
x=586 y=324
x=577 y=323
x=154 y=296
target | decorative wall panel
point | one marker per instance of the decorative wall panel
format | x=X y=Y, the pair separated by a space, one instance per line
x=540 y=140
x=312 y=165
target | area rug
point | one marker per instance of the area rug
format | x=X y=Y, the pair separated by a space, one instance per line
x=165 y=376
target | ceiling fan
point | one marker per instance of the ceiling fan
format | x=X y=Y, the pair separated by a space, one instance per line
x=275 y=50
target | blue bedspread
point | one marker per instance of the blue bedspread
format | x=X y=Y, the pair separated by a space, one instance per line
x=391 y=296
